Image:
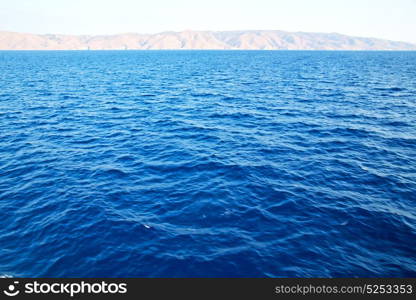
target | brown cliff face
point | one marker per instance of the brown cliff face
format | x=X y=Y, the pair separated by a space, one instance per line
x=239 y=40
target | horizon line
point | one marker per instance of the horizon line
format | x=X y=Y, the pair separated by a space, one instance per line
x=208 y=30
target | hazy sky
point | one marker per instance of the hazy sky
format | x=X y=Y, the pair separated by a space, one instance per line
x=390 y=19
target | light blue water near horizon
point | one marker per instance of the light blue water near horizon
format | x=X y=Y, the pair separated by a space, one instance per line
x=207 y=164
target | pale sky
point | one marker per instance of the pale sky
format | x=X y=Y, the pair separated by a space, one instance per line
x=389 y=19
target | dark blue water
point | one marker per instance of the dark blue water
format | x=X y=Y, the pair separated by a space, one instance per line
x=208 y=164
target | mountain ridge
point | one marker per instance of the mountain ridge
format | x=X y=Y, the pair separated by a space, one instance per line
x=199 y=40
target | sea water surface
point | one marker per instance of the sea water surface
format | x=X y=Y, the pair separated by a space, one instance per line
x=207 y=164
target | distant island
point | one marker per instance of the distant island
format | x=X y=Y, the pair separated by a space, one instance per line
x=227 y=40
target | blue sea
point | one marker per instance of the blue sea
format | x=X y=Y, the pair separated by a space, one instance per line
x=207 y=164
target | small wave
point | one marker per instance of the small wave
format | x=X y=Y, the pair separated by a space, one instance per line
x=392 y=89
